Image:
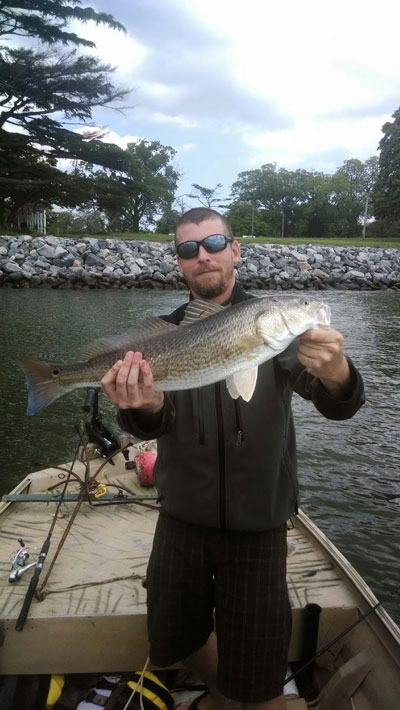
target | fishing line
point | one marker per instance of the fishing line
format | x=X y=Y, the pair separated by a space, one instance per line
x=340 y=636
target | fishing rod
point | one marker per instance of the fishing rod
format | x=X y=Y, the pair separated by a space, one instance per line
x=90 y=406
x=41 y=558
x=339 y=637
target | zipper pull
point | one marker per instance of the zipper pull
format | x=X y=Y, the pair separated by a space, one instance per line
x=239 y=437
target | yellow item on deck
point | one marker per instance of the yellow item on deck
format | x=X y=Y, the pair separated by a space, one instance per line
x=55 y=690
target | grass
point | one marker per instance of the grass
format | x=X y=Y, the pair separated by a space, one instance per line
x=389 y=243
x=384 y=243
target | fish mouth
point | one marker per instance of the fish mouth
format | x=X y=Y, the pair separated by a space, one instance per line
x=323 y=316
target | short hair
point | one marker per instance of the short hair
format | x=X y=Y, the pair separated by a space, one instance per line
x=197 y=215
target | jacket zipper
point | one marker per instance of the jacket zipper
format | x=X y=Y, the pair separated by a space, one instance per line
x=239 y=424
x=221 y=458
x=200 y=415
x=288 y=463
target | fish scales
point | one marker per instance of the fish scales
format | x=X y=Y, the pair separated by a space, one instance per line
x=232 y=341
x=194 y=353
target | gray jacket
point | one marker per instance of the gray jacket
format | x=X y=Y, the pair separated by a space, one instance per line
x=231 y=464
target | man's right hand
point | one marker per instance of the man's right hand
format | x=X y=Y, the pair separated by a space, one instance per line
x=130 y=385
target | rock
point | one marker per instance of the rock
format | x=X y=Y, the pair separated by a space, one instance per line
x=320 y=274
x=93 y=260
x=10 y=267
x=105 y=263
x=46 y=251
x=353 y=274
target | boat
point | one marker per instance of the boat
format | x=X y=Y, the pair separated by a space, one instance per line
x=89 y=613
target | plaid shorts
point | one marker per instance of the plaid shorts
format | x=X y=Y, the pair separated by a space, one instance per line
x=241 y=576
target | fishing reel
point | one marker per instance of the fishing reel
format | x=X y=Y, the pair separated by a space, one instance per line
x=18 y=563
x=104 y=440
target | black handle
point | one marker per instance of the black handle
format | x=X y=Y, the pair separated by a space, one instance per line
x=32 y=586
x=91 y=397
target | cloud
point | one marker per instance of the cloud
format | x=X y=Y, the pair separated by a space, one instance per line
x=111 y=136
x=310 y=141
x=179 y=120
x=181 y=69
x=299 y=84
x=185 y=147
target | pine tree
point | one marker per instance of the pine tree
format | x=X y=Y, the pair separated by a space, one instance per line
x=386 y=195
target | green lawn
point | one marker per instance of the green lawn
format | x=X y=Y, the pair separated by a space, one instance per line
x=391 y=243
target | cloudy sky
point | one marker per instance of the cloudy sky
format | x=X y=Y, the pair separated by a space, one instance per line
x=233 y=85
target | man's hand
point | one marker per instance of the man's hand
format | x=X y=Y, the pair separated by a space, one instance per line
x=129 y=384
x=321 y=352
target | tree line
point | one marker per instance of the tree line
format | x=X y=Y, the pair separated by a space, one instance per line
x=89 y=185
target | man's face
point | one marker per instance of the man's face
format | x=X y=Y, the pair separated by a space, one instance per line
x=209 y=276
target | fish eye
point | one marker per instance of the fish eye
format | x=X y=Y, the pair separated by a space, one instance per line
x=306 y=303
x=56 y=372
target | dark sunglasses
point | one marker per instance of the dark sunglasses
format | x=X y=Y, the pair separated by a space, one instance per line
x=212 y=244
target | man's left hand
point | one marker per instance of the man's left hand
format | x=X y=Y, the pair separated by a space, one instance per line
x=321 y=352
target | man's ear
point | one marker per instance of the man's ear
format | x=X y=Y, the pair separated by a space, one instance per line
x=236 y=251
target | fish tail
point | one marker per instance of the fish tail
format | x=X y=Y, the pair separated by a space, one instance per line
x=43 y=384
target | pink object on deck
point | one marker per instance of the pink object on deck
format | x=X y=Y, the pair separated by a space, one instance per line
x=144 y=467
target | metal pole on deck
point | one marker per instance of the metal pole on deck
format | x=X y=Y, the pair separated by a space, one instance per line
x=365 y=216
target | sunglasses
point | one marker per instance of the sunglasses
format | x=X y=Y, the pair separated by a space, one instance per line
x=212 y=244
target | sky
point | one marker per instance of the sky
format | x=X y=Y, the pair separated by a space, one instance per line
x=234 y=85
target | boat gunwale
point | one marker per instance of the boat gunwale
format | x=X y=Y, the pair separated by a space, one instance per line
x=349 y=572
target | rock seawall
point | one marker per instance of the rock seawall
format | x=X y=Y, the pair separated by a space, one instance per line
x=53 y=262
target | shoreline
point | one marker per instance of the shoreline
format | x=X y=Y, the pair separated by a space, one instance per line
x=95 y=263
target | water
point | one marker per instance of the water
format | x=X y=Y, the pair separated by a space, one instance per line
x=349 y=471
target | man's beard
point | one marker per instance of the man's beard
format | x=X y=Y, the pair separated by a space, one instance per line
x=210 y=290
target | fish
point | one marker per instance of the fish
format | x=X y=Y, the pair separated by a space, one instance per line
x=212 y=343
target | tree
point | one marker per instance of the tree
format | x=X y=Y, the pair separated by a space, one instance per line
x=207 y=196
x=146 y=188
x=361 y=176
x=351 y=187
x=86 y=221
x=47 y=19
x=305 y=203
x=386 y=194
x=39 y=92
x=166 y=223
x=245 y=220
x=281 y=193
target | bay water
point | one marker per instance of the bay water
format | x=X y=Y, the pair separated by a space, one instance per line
x=349 y=471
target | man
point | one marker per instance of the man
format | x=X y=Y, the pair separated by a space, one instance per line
x=226 y=474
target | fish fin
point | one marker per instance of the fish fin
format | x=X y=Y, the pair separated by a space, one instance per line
x=242 y=384
x=232 y=389
x=154 y=324
x=150 y=326
x=42 y=383
x=197 y=309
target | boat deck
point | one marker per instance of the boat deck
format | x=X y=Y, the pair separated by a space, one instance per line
x=93 y=615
